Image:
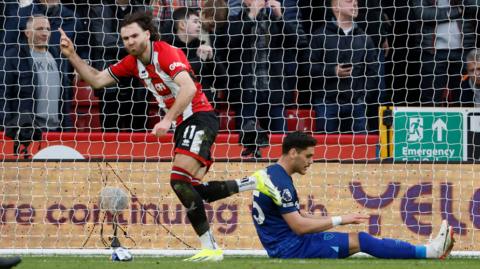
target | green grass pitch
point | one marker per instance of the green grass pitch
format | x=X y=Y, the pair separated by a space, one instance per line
x=82 y=262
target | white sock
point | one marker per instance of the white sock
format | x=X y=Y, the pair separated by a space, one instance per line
x=208 y=241
x=246 y=184
x=431 y=253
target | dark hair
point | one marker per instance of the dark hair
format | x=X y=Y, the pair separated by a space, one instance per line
x=216 y=10
x=145 y=21
x=182 y=13
x=297 y=140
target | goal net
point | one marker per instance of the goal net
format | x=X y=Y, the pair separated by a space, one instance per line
x=388 y=90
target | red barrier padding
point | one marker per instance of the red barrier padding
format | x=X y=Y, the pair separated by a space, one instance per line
x=144 y=146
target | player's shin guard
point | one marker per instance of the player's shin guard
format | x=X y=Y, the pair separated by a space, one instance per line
x=181 y=182
x=216 y=190
x=389 y=248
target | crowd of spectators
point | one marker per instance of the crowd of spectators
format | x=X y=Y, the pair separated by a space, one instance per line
x=256 y=58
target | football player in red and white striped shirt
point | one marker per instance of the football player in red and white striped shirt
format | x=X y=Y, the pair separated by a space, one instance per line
x=166 y=73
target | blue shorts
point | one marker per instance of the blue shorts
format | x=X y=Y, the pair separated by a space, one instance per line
x=318 y=245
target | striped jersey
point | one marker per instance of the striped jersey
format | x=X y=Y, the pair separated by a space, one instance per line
x=158 y=76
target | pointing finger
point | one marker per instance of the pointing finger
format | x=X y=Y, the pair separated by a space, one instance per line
x=62 y=33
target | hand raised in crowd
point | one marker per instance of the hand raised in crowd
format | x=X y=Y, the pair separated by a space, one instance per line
x=276 y=8
x=255 y=7
x=66 y=45
x=205 y=52
x=344 y=71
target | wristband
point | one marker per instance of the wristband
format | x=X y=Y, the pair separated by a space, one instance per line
x=337 y=220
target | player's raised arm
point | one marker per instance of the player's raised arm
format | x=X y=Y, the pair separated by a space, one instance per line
x=96 y=79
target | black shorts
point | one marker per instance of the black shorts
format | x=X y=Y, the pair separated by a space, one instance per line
x=195 y=136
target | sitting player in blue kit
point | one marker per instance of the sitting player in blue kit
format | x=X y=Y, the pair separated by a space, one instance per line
x=287 y=232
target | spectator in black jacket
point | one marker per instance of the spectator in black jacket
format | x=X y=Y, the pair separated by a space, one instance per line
x=297 y=14
x=258 y=39
x=214 y=17
x=124 y=109
x=344 y=71
x=469 y=93
x=209 y=71
x=373 y=19
x=448 y=33
x=35 y=81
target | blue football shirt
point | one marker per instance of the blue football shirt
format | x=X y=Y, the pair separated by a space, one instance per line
x=273 y=230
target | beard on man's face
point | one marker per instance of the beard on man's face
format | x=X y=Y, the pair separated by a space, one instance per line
x=137 y=50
